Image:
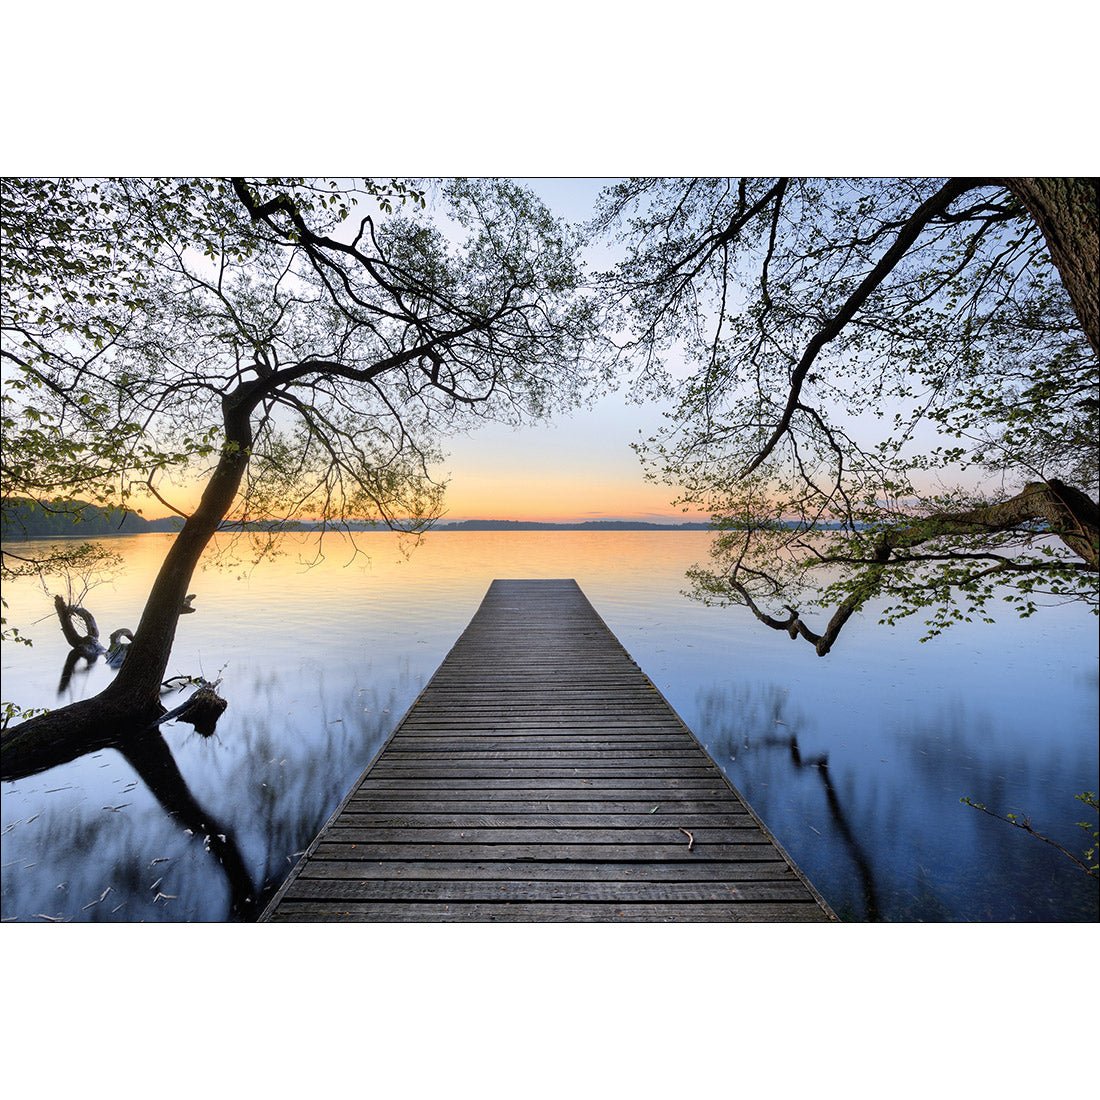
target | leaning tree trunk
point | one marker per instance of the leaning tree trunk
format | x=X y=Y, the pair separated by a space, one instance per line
x=140 y=677
x=1065 y=209
x=132 y=700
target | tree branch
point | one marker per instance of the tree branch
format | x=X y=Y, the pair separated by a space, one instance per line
x=1070 y=515
x=906 y=238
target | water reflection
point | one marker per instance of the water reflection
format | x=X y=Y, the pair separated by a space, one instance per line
x=856 y=763
x=148 y=754
x=113 y=657
x=997 y=872
x=69 y=667
x=877 y=823
x=151 y=758
x=150 y=844
x=741 y=722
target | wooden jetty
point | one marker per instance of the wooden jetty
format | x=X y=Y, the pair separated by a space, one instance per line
x=540 y=776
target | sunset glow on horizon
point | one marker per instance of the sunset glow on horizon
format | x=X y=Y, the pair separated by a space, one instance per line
x=570 y=470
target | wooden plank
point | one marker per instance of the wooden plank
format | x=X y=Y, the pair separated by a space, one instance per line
x=496 y=742
x=543 y=756
x=348 y=831
x=566 y=769
x=667 y=785
x=359 y=804
x=541 y=776
x=565 y=790
x=540 y=735
x=353 y=818
x=590 y=890
x=751 y=848
x=550 y=724
x=624 y=705
x=551 y=870
x=559 y=912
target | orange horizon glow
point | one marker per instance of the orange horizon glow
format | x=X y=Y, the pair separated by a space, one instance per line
x=541 y=500
x=576 y=468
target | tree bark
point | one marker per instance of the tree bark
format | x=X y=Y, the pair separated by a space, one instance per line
x=1071 y=515
x=1065 y=210
x=69 y=732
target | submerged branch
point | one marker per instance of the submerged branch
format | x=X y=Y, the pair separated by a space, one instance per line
x=87 y=642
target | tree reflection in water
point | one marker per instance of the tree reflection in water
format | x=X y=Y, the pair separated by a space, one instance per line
x=873 y=814
x=148 y=754
x=151 y=758
x=71 y=661
x=744 y=722
x=251 y=802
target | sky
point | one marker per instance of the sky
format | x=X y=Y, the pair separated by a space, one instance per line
x=573 y=468
x=576 y=468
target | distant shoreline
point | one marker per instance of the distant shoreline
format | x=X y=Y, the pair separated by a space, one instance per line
x=460 y=527
x=24 y=519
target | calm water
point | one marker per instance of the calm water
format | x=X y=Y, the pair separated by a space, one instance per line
x=856 y=762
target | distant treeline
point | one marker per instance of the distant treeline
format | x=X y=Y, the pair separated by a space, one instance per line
x=27 y=519
x=77 y=519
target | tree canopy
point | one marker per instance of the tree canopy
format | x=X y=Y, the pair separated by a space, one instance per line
x=888 y=390
x=137 y=311
x=300 y=346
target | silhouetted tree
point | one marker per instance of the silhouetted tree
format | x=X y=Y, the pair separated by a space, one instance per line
x=304 y=345
x=891 y=386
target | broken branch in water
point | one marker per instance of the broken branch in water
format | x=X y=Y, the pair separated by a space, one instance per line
x=88 y=642
x=87 y=645
x=116 y=651
x=201 y=710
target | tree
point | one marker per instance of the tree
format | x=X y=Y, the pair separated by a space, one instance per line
x=304 y=353
x=890 y=386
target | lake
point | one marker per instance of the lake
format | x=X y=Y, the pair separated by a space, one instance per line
x=856 y=762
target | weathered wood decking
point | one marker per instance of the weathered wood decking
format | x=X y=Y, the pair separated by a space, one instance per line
x=541 y=776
